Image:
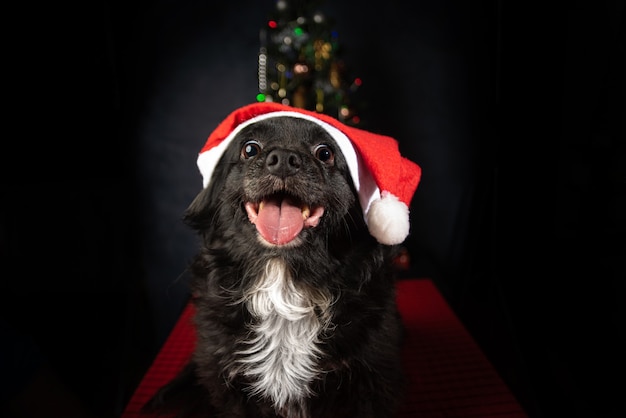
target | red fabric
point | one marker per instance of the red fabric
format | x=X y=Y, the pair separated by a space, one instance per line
x=380 y=153
x=449 y=375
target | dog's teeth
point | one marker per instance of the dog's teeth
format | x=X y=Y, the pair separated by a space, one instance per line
x=261 y=206
x=306 y=211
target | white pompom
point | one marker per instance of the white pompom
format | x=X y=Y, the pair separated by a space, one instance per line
x=388 y=219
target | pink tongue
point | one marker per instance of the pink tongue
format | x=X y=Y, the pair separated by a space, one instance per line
x=279 y=221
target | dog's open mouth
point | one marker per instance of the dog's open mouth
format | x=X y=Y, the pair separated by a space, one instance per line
x=279 y=218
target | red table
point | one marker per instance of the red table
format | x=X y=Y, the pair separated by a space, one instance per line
x=449 y=375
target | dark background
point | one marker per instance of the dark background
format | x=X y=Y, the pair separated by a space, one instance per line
x=515 y=111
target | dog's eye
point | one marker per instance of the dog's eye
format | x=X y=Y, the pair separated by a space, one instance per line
x=250 y=149
x=323 y=153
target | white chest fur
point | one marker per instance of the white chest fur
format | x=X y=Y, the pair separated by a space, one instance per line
x=282 y=351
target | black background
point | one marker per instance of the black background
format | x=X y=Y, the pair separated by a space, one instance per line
x=515 y=111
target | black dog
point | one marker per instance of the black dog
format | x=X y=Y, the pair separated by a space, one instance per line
x=295 y=300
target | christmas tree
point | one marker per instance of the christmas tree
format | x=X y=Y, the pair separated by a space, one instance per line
x=300 y=63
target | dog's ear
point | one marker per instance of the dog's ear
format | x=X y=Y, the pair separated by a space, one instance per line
x=200 y=211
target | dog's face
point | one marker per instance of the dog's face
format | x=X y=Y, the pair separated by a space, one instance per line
x=282 y=183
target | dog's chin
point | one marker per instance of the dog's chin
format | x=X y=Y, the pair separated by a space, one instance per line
x=280 y=219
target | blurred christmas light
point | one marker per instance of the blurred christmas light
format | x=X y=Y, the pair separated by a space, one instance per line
x=262 y=70
x=300 y=68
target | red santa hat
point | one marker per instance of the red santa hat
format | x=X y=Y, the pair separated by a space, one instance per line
x=384 y=180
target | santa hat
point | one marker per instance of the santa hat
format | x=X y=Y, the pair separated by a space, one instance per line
x=385 y=181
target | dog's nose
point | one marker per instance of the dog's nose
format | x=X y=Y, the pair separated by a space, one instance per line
x=283 y=163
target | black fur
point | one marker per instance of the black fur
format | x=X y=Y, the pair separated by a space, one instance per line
x=360 y=365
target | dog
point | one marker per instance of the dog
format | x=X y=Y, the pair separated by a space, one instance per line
x=295 y=306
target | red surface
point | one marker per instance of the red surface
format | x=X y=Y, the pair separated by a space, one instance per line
x=449 y=375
